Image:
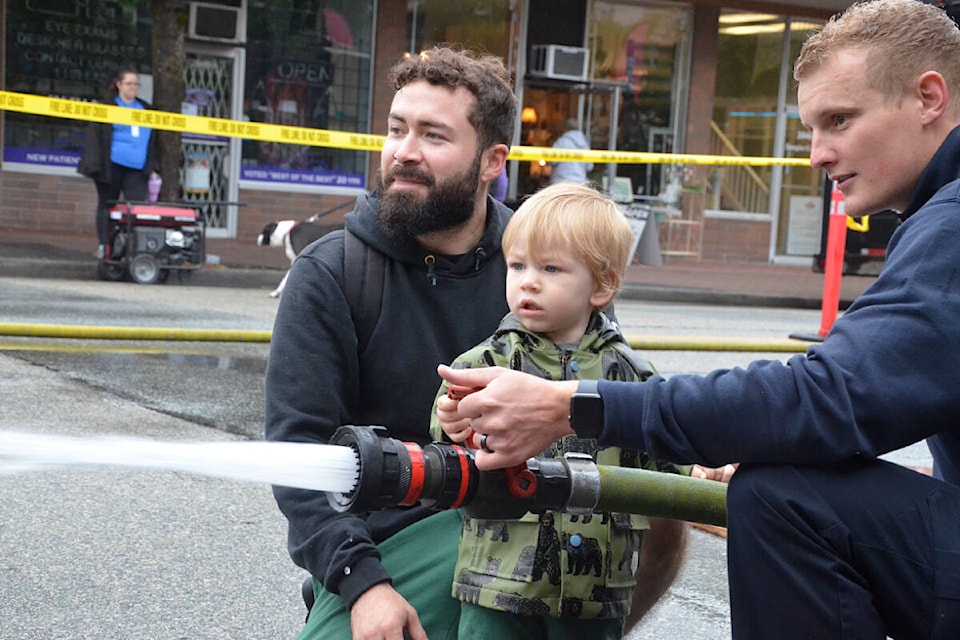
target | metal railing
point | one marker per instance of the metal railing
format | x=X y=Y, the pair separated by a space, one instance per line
x=736 y=188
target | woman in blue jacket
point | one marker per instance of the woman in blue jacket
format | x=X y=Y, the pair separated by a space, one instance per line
x=119 y=158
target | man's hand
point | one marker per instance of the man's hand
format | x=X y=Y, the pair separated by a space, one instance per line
x=383 y=614
x=520 y=413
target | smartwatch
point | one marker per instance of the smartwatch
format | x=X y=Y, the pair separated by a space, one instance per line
x=586 y=410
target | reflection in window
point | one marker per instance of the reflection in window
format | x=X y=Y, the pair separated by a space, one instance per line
x=308 y=65
x=643 y=48
x=480 y=25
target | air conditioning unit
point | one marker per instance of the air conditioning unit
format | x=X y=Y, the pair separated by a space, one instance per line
x=558 y=62
x=217 y=23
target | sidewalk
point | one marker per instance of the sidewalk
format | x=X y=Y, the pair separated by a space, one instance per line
x=244 y=264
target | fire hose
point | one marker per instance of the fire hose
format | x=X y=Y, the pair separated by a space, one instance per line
x=444 y=476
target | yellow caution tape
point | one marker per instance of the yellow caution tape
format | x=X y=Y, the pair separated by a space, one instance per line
x=95 y=112
x=202 y=125
x=598 y=156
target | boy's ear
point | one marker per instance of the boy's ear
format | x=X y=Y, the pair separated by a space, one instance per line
x=602 y=296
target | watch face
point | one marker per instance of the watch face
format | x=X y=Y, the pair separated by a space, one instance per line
x=586 y=414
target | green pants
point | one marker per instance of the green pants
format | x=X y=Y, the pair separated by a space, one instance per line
x=421 y=560
x=479 y=623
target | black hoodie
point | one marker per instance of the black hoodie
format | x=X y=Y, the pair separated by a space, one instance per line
x=434 y=307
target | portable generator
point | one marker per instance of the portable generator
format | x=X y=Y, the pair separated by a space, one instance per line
x=149 y=240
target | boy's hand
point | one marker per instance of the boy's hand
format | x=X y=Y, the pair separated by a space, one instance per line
x=720 y=474
x=457 y=428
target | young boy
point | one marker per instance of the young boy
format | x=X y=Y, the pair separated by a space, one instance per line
x=566 y=249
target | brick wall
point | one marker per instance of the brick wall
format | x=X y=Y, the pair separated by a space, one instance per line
x=733 y=240
x=36 y=201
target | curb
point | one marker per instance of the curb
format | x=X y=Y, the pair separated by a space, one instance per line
x=43 y=261
x=86 y=269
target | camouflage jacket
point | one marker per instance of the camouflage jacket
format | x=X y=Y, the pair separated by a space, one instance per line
x=554 y=564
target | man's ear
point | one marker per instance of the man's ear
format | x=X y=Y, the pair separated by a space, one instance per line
x=933 y=95
x=492 y=162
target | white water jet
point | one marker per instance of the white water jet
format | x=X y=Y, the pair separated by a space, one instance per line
x=319 y=467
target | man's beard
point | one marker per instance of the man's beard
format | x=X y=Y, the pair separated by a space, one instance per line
x=446 y=205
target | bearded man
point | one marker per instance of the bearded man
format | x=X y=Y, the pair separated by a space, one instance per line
x=438 y=231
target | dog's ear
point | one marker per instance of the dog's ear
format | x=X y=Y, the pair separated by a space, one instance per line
x=264 y=238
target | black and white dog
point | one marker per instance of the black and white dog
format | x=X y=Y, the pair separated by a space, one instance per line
x=293 y=236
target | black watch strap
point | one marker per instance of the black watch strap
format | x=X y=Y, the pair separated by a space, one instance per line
x=586 y=410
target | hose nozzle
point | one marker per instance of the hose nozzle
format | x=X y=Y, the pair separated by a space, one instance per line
x=445 y=476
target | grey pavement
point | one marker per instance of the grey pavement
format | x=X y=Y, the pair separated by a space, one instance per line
x=127 y=554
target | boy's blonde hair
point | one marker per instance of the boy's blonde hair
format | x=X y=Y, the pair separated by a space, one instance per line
x=570 y=217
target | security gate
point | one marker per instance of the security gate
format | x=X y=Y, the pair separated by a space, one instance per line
x=208 y=170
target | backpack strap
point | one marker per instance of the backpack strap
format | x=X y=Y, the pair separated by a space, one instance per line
x=363 y=269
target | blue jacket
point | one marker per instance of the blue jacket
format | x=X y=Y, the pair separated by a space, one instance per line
x=95 y=160
x=886 y=376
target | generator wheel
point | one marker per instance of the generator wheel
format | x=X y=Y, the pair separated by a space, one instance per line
x=111 y=271
x=145 y=269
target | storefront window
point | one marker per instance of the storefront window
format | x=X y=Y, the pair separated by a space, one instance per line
x=798 y=226
x=480 y=25
x=308 y=64
x=642 y=49
x=67 y=50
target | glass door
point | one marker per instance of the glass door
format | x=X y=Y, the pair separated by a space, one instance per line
x=755 y=114
x=799 y=208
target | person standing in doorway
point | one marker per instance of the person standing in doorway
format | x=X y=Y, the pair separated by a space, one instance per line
x=572 y=138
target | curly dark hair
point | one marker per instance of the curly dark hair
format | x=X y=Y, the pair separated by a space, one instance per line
x=485 y=76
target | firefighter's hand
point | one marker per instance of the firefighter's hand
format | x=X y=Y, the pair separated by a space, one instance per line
x=383 y=614
x=457 y=428
x=521 y=414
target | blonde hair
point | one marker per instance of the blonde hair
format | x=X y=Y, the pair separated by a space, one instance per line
x=570 y=217
x=901 y=39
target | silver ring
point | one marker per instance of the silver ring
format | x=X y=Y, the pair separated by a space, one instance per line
x=396 y=158
x=483 y=444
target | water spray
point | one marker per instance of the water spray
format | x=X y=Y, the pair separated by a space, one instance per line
x=307 y=466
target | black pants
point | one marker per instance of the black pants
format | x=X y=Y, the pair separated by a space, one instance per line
x=131 y=182
x=863 y=549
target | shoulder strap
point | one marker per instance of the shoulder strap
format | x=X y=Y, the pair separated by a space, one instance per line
x=641 y=365
x=363 y=269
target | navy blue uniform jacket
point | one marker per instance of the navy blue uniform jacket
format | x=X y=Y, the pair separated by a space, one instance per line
x=887 y=375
